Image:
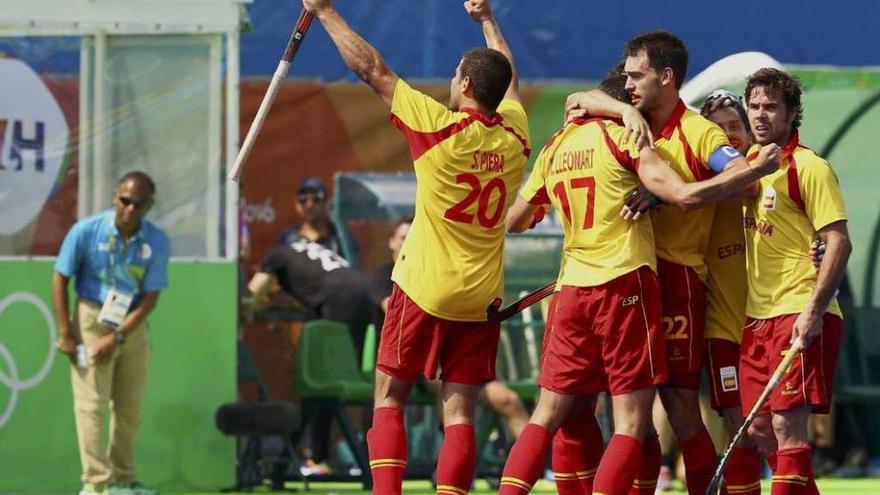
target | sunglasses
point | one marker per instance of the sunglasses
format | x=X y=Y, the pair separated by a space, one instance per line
x=305 y=198
x=137 y=203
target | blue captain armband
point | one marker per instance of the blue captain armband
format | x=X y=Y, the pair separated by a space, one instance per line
x=721 y=157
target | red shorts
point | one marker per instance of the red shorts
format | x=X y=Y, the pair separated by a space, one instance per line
x=722 y=367
x=414 y=342
x=809 y=381
x=684 y=321
x=605 y=338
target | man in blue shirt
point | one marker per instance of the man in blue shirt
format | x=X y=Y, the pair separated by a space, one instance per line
x=120 y=263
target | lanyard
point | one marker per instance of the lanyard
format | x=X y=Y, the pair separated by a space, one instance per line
x=111 y=244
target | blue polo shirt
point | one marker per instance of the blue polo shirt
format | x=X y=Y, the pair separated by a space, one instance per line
x=139 y=265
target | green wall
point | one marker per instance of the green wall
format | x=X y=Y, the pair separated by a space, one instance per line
x=192 y=371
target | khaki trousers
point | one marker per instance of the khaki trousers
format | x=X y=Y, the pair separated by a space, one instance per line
x=119 y=382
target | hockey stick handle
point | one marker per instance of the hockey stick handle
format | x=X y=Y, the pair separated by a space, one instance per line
x=299 y=32
x=493 y=313
x=780 y=371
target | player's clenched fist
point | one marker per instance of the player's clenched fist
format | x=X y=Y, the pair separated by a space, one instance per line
x=315 y=6
x=768 y=158
x=478 y=10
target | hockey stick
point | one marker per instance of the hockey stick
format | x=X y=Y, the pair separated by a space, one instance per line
x=299 y=32
x=790 y=355
x=495 y=313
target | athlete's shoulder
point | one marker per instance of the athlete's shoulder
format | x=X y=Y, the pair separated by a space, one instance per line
x=807 y=158
x=692 y=123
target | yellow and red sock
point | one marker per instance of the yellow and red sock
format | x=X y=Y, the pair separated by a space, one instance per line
x=577 y=450
x=743 y=474
x=699 y=456
x=649 y=469
x=456 y=460
x=386 y=442
x=619 y=466
x=794 y=469
x=525 y=461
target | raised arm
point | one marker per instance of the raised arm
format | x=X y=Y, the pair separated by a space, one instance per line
x=481 y=12
x=359 y=56
x=661 y=180
x=599 y=104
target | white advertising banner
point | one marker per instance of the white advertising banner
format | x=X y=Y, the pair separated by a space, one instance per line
x=33 y=141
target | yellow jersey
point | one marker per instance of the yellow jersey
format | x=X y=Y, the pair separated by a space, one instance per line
x=583 y=171
x=468 y=167
x=793 y=204
x=726 y=283
x=686 y=142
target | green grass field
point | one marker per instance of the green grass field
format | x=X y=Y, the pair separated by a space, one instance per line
x=826 y=487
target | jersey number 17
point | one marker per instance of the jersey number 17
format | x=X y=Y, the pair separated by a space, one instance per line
x=588 y=183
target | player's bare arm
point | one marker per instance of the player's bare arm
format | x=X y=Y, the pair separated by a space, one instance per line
x=661 y=180
x=481 y=12
x=595 y=102
x=364 y=60
x=831 y=269
x=522 y=215
x=750 y=191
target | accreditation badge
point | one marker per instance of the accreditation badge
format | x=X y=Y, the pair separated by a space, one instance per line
x=115 y=308
x=729 y=381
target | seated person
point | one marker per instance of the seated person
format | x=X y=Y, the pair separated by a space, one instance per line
x=316 y=226
x=322 y=282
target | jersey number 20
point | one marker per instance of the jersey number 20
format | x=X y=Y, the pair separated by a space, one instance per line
x=481 y=195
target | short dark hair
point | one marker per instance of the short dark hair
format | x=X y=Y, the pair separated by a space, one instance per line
x=614 y=84
x=725 y=99
x=490 y=72
x=663 y=49
x=140 y=177
x=401 y=221
x=788 y=85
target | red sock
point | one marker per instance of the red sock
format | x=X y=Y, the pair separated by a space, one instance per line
x=577 y=450
x=525 y=461
x=386 y=441
x=812 y=489
x=743 y=474
x=619 y=466
x=649 y=469
x=456 y=460
x=699 y=457
x=794 y=471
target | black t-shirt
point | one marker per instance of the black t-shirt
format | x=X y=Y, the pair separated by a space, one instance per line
x=311 y=272
x=382 y=283
x=330 y=241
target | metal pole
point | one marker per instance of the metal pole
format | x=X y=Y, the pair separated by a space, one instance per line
x=232 y=131
x=84 y=144
x=101 y=127
x=215 y=130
